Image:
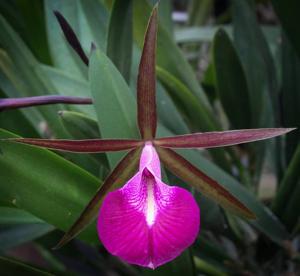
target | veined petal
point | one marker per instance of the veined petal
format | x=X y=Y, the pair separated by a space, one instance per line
x=147 y=222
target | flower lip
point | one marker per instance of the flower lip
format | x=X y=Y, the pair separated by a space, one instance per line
x=147 y=222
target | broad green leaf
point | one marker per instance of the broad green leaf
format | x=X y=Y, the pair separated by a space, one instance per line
x=11 y=87
x=231 y=81
x=257 y=62
x=195 y=113
x=96 y=17
x=44 y=184
x=287 y=11
x=63 y=56
x=167 y=112
x=79 y=125
x=169 y=56
x=66 y=84
x=290 y=216
x=119 y=41
x=34 y=28
x=14 y=235
x=16 y=216
x=261 y=77
x=165 y=14
x=290 y=95
x=207 y=33
x=16 y=122
x=287 y=196
x=113 y=100
x=12 y=267
x=34 y=84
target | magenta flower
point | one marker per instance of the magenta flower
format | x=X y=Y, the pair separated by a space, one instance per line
x=147 y=222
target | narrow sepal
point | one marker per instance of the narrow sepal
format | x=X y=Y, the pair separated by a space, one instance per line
x=146 y=86
x=220 y=138
x=71 y=37
x=13 y=103
x=206 y=185
x=85 y=146
x=121 y=173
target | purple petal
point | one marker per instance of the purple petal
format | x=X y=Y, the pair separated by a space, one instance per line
x=147 y=222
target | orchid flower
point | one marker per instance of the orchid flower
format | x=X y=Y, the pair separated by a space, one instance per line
x=147 y=222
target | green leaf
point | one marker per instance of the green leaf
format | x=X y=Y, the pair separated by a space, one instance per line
x=68 y=85
x=119 y=41
x=96 y=18
x=207 y=33
x=266 y=222
x=16 y=122
x=287 y=11
x=12 y=267
x=44 y=184
x=16 y=216
x=12 y=236
x=83 y=23
x=113 y=100
x=165 y=14
x=261 y=77
x=11 y=84
x=169 y=56
x=231 y=81
x=26 y=64
x=257 y=62
x=290 y=216
x=290 y=95
x=194 y=111
x=79 y=125
x=34 y=28
x=287 y=197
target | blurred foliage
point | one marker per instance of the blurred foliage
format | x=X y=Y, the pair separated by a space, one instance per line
x=228 y=64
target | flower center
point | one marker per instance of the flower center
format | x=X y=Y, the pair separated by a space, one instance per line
x=150 y=209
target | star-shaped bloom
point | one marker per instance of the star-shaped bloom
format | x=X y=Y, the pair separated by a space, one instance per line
x=147 y=222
